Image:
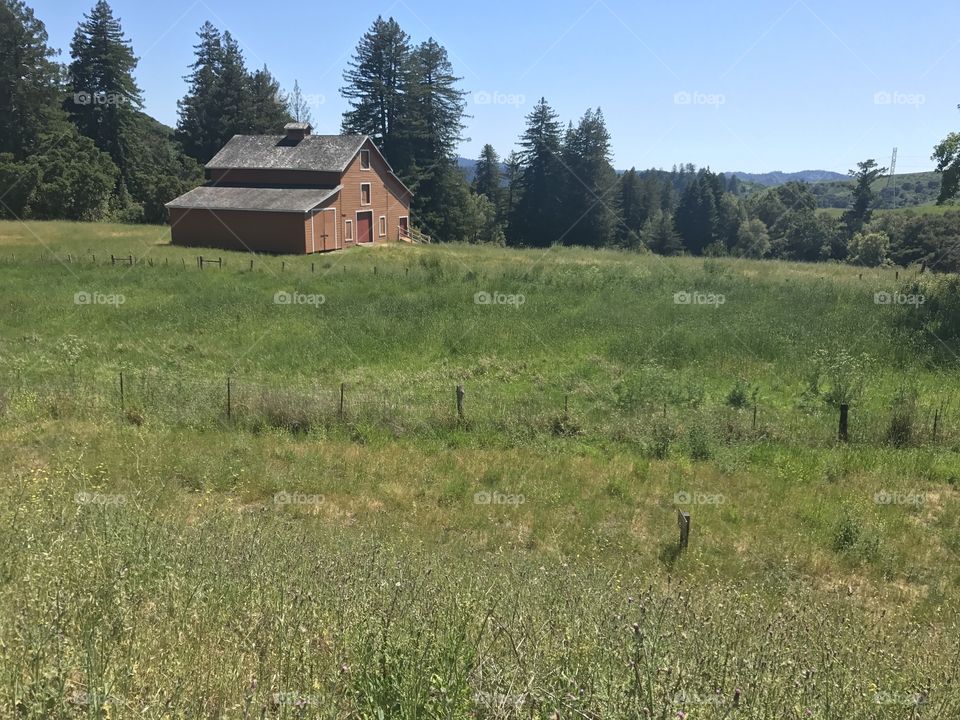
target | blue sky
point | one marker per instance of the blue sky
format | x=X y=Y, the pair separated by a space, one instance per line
x=754 y=85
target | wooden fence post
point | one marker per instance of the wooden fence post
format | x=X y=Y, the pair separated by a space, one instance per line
x=843 y=432
x=754 y=416
x=251 y=266
x=683 y=521
x=460 y=394
x=343 y=389
x=229 y=404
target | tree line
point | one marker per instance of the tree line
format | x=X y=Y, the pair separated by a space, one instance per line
x=77 y=145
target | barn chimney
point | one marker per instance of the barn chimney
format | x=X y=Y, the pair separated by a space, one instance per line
x=297 y=131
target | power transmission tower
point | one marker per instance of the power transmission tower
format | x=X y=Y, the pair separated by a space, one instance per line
x=891 y=178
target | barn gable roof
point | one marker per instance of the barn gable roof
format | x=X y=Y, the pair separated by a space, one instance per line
x=262 y=199
x=319 y=153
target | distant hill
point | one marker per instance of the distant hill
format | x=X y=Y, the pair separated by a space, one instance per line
x=779 y=178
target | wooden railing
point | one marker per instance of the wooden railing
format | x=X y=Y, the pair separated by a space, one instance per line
x=412 y=235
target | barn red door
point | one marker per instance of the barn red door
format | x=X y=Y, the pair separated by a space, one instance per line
x=364 y=227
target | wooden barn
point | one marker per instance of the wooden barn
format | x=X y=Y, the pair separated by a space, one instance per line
x=293 y=193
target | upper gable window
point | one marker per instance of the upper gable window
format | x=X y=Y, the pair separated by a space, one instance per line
x=365 y=194
x=364 y=159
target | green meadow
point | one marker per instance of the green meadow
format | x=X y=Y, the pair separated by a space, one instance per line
x=283 y=513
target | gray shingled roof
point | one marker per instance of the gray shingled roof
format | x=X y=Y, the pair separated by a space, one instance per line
x=265 y=199
x=322 y=153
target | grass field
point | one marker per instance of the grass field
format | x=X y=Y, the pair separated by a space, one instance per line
x=172 y=553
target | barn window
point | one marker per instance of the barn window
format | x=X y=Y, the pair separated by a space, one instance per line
x=383 y=226
x=365 y=193
x=364 y=159
x=348 y=229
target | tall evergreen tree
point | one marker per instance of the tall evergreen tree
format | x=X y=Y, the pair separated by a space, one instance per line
x=589 y=205
x=377 y=82
x=197 y=128
x=29 y=80
x=487 y=177
x=432 y=125
x=534 y=220
x=268 y=104
x=104 y=95
x=696 y=216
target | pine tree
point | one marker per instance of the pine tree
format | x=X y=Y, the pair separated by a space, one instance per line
x=432 y=125
x=233 y=92
x=535 y=217
x=487 y=179
x=696 y=216
x=377 y=82
x=297 y=106
x=268 y=104
x=104 y=95
x=589 y=205
x=29 y=80
x=197 y=128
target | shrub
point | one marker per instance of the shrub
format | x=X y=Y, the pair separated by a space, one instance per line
x=698 y=443
x=741 y=394
x=663 y=437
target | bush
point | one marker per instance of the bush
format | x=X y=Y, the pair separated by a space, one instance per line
x=740 y=394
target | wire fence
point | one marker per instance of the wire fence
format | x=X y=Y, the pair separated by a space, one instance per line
x=487 y=408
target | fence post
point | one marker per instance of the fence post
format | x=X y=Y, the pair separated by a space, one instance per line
x=229 y=404
x=121 y=392
x=936 y=422
x=843 y=433
x=683 y=521
x=343 y=389
x=460 y=394
x=754 y=416
x=251 y=266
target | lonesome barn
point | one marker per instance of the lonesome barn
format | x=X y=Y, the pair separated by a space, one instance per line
x=293 y=193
